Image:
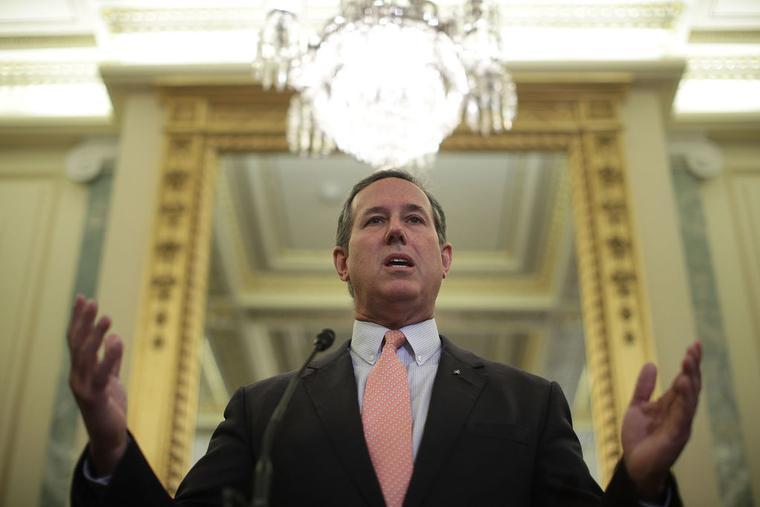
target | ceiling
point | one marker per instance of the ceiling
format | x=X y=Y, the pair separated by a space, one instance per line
x=58 y=56
x=508 y=220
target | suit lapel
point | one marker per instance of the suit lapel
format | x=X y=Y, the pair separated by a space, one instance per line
x=458 y=382
x=331 y=386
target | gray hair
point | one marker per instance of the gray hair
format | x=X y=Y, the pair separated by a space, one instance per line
x=346 y=220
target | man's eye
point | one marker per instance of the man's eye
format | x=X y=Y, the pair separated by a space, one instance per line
x=374 y=220
x=416 y=219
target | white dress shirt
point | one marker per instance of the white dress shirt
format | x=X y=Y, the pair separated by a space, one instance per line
x=419 y=355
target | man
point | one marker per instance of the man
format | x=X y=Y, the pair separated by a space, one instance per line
x=459 y=431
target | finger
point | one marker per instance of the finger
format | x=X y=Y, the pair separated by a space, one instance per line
x=699 y=366
x=680 y=400
x=111 y=361
x=85 y=356
x=114 y=340
x=682 y=411
x=700 y=351
x=90 y=347
x=688 y=364
x=697 y=354
x=686 y=385
x=76 y=322
x=685 y=390
x=645 y=384
x=76 y=310
x=83 y=327
x=691 y=366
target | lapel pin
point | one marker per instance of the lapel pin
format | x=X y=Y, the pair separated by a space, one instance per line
x=457 y=372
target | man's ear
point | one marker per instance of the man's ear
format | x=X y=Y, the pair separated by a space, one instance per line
x=447 y=251
x=340 y=260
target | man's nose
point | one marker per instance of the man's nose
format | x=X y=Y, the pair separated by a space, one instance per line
x=395 y=232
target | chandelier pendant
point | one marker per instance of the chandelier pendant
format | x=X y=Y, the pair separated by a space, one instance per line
x=387 y=81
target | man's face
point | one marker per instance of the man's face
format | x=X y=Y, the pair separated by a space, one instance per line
x=393 y=255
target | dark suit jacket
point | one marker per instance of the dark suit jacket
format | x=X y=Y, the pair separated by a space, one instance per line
x=494 y=436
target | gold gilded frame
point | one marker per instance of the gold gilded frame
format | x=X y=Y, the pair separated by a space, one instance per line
x=580 y=119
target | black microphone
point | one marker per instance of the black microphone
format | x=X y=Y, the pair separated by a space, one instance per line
x=262 y=475
x=323 y=341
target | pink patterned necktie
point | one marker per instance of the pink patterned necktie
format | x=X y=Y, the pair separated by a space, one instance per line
x=387 y=419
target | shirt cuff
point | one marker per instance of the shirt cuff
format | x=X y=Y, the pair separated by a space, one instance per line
x=106 y=479
x=666 y=503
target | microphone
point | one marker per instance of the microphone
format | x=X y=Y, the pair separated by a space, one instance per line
x=323 y=341
x=262 y=475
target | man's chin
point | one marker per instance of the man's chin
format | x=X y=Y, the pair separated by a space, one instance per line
x=401 y=291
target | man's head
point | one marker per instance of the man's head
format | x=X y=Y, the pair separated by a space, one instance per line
x=345 y=219
x=391 y=248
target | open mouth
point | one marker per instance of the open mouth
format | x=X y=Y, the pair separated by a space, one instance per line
x=398 y=261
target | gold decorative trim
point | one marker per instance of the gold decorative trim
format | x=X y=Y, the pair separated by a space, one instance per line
x=171 y=324
x=603 y=407
x=202 y=123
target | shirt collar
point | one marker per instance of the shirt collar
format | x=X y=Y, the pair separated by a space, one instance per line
x=422 y=338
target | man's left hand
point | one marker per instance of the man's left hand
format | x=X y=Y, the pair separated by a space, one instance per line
x=655 y=432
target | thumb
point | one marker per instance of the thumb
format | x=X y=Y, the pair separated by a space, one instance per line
x=645 y=384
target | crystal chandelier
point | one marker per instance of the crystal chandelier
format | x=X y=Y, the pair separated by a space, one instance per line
x=387 y=81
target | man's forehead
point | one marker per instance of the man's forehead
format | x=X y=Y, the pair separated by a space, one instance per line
x=390 y=191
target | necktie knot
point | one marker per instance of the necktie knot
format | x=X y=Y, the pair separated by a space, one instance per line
x=395 y=338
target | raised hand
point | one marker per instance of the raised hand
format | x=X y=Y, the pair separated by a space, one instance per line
x=655 y=432
x=96 y=386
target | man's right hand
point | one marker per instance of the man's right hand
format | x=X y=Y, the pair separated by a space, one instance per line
x=96 y=386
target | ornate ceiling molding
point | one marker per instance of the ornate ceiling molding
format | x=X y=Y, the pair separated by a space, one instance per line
x=20 y=73
x=651 y=15
x=654 y=15
x=274 y=253
x=724 y=67
x=137 y=43
x=21 y=41
x=185 y=19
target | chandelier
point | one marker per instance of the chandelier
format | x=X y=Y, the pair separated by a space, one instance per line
x=387 y=81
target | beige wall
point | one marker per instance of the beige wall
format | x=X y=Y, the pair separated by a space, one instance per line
x=41 y=223
x=665 y=279
x=42 y=214
x=731 y=204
